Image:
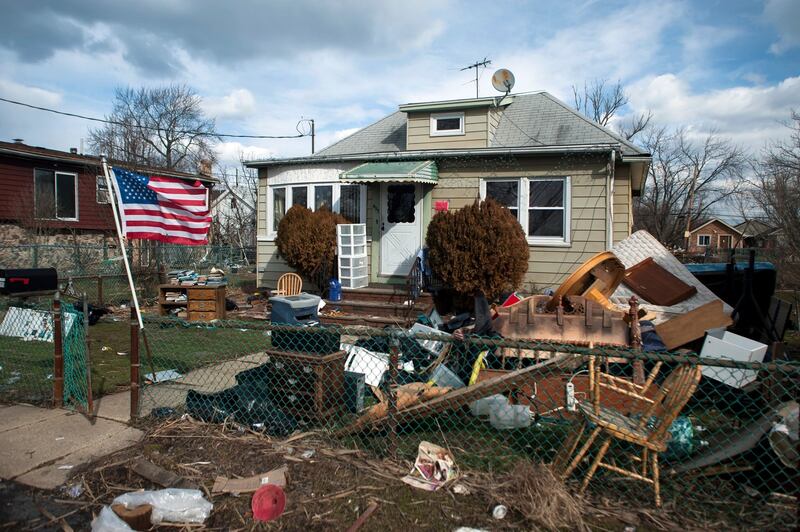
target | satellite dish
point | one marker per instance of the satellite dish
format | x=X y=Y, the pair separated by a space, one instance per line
x=503 y=80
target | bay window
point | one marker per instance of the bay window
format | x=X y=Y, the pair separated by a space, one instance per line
x=541 y=204
x=348 y=200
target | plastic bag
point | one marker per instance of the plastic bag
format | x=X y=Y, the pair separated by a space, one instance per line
x=171 y=505
x=108 y=521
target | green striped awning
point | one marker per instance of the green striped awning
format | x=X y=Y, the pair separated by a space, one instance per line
x=395 y=171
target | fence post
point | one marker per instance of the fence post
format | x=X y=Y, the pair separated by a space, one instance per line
x=88 y=358
x=100 y=290
x=36 y=255
x=134 y=363
x=58 y=351
x=394 y=350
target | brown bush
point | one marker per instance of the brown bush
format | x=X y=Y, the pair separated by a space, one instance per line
x=480 y=248
x=307 y=240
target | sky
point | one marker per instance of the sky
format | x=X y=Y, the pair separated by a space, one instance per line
x=732 y=66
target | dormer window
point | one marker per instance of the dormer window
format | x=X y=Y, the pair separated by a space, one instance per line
x=447 y=124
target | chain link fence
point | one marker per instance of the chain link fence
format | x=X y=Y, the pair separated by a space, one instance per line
x=715 y=439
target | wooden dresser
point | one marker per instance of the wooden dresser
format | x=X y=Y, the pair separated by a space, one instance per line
x=202 y=303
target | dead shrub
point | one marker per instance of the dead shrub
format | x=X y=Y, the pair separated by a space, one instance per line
x=478 y=249
x=307 y=240
x=543 y=499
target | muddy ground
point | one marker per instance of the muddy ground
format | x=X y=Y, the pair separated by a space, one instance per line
x=326 y=491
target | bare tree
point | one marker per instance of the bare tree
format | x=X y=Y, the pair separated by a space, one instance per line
x=776 y=191
x=601 y=101
x=686 y=180
x=161 y=126
x=234 y=208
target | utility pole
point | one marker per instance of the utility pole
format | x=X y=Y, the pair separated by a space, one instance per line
x=687 y=233
x=312 y=136
x=476 y=65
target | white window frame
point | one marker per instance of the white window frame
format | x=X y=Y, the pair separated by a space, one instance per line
x=55 y=199
x=100 y=181
x=699 y=236
x=272 y=232
x=523 y=208
x=435 y=117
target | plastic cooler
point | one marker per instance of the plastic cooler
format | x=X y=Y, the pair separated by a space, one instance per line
x=300 y=310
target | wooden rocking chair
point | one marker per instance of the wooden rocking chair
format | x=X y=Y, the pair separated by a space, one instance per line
x=650 y=431
x=289 y=284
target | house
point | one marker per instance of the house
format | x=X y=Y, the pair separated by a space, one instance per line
x=714 y=235
x=757 y=234
x=55 y=197
x=569 y=181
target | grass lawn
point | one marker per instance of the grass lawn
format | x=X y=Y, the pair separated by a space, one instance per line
x=27 y=367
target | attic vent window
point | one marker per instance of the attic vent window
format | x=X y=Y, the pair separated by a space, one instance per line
x=447 y=124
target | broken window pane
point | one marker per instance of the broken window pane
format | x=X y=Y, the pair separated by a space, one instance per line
x=400 y=202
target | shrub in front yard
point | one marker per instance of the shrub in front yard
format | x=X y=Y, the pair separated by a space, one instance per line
x=478 y=249
x=307 y=240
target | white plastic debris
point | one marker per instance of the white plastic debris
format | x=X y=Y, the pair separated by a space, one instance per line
x=499 y=511
x=171 y=505
x=108 y=521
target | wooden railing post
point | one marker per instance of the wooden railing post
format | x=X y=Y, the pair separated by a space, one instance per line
x=58 y=351
x=134 y=357
x=394 y=360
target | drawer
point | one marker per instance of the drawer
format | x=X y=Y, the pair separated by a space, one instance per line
x=202 y=294
x=203 y=306
x=202 y=316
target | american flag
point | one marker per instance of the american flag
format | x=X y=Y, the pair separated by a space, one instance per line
x=167 y=209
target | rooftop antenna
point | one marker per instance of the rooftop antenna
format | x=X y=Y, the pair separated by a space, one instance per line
x=503 y=81
x=476 y=65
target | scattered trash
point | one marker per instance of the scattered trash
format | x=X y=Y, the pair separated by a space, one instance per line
x=506 y=417
x=170 y=505
x=482 y=407
x=105 y=348
x=163 y=376
x=307 y=454
x=442 y=376
x=159 y=475
x=15 y=377
x=164 y=411
x=139 y=518
x=276 y=477
x=784 y=435
x=108 y=521
x=469 y=529
x=122 y=353
x=268 y=502
x=726 y=345
x=499 y=512
x=60 y=438
x=461 y=489
x=65 y=467
x=74 y=490
x=434 y=467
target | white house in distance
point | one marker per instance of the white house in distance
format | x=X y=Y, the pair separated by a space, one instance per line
x=569 y=181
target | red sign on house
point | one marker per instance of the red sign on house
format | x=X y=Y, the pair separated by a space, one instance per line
x=441 y=205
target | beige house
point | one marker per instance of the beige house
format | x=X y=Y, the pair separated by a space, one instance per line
x=569 y=181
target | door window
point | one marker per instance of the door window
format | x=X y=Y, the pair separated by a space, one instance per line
x=400 y=202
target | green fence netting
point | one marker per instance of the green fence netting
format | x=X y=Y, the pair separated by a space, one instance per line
x=76 y=369
x=724 y=433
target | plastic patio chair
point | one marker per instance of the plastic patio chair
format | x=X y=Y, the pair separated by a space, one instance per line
x=648 y=431
x=289 y=284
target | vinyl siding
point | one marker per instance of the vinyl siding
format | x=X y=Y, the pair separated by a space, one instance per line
x=475 y=135
x=623 y=203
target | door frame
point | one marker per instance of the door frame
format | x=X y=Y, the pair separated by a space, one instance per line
x=418 y=219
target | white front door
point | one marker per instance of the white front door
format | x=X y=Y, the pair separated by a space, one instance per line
x=401 y=226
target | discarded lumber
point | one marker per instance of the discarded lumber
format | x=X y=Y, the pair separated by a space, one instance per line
x=692 y=325
x=160 y=476
x=462 y=396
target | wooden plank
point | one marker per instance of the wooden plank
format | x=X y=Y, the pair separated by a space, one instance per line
x=656 y=285
x=683 y=329
x=463 y=396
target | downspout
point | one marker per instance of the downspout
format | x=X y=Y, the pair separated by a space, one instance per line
x=610 y=200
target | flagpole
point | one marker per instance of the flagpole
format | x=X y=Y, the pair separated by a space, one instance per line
x=112 y=191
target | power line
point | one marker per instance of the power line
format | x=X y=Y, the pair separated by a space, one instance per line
x=117 y=123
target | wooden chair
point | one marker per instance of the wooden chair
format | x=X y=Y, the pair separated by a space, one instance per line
x=649 y=431
x=289 y=284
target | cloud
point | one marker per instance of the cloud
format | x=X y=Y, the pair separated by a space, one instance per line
x=746 y=114
x=29 y=94
x=230 y=154
x=152 y=32
x=785 y=16
x=239 y=103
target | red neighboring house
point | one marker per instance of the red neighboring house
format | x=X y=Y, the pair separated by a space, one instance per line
x=714 y=235
x=49 y=194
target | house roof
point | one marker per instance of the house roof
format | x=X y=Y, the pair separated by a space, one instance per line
x=532 y=122
x=754 y=228
x=36 y=152
x=712 y=220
